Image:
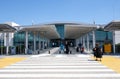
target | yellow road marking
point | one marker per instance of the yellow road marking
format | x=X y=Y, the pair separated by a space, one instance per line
x=111 y=62
x=8 y=61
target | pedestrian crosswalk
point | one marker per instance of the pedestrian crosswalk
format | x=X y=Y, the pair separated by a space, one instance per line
x=58 y=67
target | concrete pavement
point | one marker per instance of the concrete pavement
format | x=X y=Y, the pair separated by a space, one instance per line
x=58 y=66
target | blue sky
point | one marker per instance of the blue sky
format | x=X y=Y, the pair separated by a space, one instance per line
x=24 y=12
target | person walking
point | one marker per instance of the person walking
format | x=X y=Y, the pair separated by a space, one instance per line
x=61 y=48
x=94 y=52
x=97 y=52
x=67 y=48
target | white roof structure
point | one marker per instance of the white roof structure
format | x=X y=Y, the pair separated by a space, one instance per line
x=72 y=30
x=112 y=26
x=6 y=28
x=13 y=24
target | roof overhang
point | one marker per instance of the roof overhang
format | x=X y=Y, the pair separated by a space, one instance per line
x=112 y=26
x=76 y=31
x=72 y=30
x=48 y=31
x=6 y=28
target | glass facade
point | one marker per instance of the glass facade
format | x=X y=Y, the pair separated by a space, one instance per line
x=19 y=42
x=2 y=48
x=102 y=36
x=60 y=30
x=36 y=40
x=19 y=39
x=33 y=37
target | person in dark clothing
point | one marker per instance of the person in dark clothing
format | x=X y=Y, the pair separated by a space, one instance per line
x=67 y=47
x=97 y=52
x=94 y=52
x=82 y=49
x=77 y=49
x=80 y=45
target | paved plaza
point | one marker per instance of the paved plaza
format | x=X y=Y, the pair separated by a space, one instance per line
x=58 y=66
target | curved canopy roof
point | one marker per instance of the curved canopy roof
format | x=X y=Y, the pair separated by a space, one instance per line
x=6 y=28
x=71 y=30
x=112 y=26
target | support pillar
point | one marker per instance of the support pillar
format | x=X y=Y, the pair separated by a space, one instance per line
x=113 y=33
x=83 y=41
x=7 y=43
x=34 y=42
x=94 y=40
x=39 y=41
x=2 y=38
x=26 y=42
x=77 y=42
x=88 y=42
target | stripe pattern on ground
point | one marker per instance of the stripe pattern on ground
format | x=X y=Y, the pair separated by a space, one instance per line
x=69 y=67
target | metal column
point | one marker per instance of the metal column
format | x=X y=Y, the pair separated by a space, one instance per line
x=7 y=43
x=39 y=41
x=26 y=42
x=88 y=42
x=34 y=42
x=2 y=39
x=113 y=33
x=83 y=41
x=94 y=40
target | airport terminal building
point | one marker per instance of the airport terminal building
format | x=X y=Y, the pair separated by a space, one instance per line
x=31 y=39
